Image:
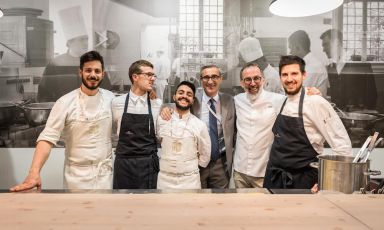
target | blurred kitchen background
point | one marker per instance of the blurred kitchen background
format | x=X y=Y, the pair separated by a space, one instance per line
x=41 y=41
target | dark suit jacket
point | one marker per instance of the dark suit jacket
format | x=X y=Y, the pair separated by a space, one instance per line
x=228 y=116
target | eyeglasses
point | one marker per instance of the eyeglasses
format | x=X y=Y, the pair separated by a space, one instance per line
x=212 y=77
x=148 y=75
x=249 y=80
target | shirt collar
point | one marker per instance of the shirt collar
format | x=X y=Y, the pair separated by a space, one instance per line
x=183 y=117
x=206 y=98
x=135 y=98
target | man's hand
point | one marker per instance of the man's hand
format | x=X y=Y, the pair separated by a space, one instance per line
x=29 y=183
x=313 y=91
x=166 y=113
x=315 y=188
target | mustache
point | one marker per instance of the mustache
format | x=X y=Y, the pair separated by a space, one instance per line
x=93 y=78
x=184 y=98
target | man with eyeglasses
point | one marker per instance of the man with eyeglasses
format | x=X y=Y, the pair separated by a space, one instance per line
x=217 y=110
x=136 y=164
x=256 y=110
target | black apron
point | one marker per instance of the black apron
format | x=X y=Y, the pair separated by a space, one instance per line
x=291 y=154
x=136 y=164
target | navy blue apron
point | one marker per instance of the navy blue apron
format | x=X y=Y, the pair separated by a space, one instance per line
x=136 y=164
x=291 y=154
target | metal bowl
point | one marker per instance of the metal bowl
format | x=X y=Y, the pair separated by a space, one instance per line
x=37 y=113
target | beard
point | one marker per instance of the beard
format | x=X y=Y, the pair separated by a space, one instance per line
x=181 y=107
x=296 y=91
x=91 y=87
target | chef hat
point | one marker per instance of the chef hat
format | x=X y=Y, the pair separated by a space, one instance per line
x=250 y=49
x=72 y=21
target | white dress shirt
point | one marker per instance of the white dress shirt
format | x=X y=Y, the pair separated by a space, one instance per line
x=255 y=118
x=205 y=104
x=321 y=123
x=317 y=75
x=136 y=105
x=187 y=126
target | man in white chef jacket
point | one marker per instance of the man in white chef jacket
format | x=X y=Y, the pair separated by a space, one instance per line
x=84 y=116
x=185 y=143
x=256 y=111
x=300 y=129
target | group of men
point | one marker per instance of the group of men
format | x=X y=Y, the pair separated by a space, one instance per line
x=276 y=136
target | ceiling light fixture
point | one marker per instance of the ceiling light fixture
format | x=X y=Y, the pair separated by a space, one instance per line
x=302 y=8
x=1 y=12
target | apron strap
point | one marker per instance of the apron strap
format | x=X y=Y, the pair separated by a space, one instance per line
x=301 y=102
x=151 y=122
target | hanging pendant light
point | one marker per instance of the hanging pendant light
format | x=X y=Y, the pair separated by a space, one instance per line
x=302 y=8
x=1 y=12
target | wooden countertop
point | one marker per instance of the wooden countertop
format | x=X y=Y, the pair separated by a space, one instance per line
x=190 y=211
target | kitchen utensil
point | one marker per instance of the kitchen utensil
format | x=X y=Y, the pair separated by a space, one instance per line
x=370 y=147
x=7 y=113
x=339 y=173
x=359 y=120
x=361 y=151
x=37 y=113
x=370 y=151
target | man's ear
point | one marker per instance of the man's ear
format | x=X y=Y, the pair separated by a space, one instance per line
x=304 y=74
x=174 y=97
x=80 y=72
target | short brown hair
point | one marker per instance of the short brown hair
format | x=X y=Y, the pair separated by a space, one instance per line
x=135 y=68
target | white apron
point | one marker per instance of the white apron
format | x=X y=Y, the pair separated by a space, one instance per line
x=88 y=155
x=179 y=164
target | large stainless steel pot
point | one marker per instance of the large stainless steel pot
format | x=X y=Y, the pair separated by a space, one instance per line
x=7 y=113
x=358 y=120
x=339 y=173
x=37 y=113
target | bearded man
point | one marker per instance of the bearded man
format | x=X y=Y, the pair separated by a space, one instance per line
x=185 y=143
x=300 y=130
x=85 y=116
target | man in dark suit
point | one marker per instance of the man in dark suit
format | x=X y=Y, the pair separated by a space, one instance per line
x=352 y=85
x=214 y=107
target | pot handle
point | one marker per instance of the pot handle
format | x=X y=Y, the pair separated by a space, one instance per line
x=314 y=165
x=372 y=173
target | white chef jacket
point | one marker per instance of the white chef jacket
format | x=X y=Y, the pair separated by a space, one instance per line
x=137 y=105
x=188 y=126
x=254 y=131
x=86 y=122
x=272 y=80
x=321 y=123
x=66 y=108
x=317 y=75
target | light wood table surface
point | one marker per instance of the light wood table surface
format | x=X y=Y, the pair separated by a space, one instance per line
x=185 y=211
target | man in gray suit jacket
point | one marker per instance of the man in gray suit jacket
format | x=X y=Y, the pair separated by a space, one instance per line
x=214 y=107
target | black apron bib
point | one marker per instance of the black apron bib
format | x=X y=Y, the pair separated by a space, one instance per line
x=136 y=164
x=291 y=154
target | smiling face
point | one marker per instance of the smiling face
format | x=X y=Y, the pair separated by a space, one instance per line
x=91 y=75
x=211 y=80
x=183 y=98
x=292 y=78
x=252 y=80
